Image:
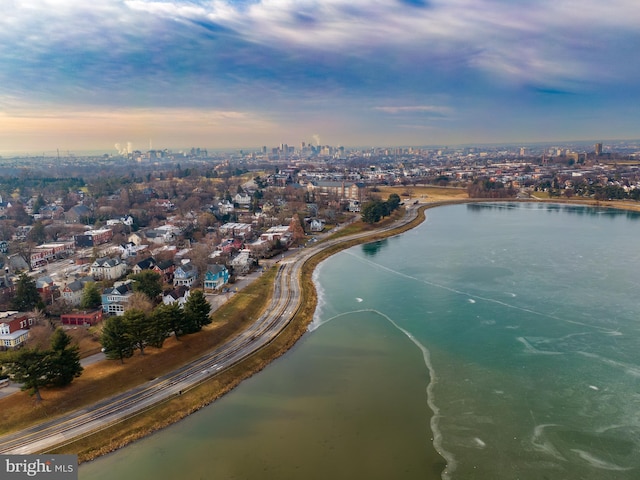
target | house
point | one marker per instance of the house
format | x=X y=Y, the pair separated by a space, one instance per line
x=114 y=299
x=162 y=235
x=146 y=264
x=215 y=277
x=47 y=289
x=77 y=214
x=166 y=270
x=178 y=294
x=316 y=225
x=108 y=268
x=135 y=239
x=225 y=207
x=242 y=199
x=185 y=274
x=242 y=263
x=72 y=291
x=86 y=319
x=127 y=220
x=14 y=329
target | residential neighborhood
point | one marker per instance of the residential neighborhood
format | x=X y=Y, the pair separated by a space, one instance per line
x=199 y=221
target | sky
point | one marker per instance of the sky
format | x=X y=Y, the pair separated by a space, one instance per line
x=86 y=75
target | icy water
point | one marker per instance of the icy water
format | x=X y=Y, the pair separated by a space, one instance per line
x=504 y=336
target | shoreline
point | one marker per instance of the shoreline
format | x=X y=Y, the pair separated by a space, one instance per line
x=148 y=422
x=214 y=388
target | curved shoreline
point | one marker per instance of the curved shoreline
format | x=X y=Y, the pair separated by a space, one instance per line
x=115 y=437
x=171 y=411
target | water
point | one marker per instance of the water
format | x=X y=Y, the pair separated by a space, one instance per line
x=517 y=324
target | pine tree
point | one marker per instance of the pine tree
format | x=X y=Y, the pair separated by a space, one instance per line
x=159 y=326
x=138 y=328
x=64 y=359
x=91 y=297
x=26 y=297
x=196 y=312
x=115 y=341
x=147 y=282
x=171 y=316
x=29 y=367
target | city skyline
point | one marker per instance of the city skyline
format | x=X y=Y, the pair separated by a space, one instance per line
x=230 y=74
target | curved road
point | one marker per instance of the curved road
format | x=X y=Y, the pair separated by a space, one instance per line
x=284 y=304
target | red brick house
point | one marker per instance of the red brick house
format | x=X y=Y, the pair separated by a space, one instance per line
x=14 y=329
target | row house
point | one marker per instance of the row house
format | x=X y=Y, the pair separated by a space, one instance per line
x=48 y=252
x=14 y=329
x=231 y=229
x=215 y=277
x=92 y=238
x=108 y=268
x=278 y=233
x=115 y=299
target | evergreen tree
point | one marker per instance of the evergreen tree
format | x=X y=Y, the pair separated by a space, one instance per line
x=147 y=282
x=172 y=316
x=159 y=326
x=64 y=359
x=196 y=312
x=138 y=328
x=115 y=341
x=26 y=297
x=29 y=367
x=91 y=297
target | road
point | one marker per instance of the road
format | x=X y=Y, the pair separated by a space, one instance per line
x=284 y=304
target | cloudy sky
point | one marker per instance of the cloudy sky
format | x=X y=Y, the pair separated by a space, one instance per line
x=78 y=74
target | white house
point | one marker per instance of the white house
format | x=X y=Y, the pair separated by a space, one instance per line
x=108 y=268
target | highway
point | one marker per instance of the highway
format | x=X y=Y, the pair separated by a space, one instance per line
x=284 y=304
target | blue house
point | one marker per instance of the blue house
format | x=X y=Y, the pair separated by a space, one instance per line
x=185 y=275
x=215 y=277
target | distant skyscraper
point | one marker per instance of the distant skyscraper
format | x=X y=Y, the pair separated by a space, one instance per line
x=598 y=149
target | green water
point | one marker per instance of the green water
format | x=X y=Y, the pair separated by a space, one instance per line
x=517 y=324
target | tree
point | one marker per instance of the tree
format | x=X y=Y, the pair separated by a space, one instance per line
x=64 y=359
x=26 y=297
x=91 y=297
x=37 y=233
x=138 y=328
x=160 y=325
x=115 y=341
x=171 y=316
x=147 y=282
x=196 y=312
x=393 y=201
x=371 y=212
x=296 y=229
x=29 y=367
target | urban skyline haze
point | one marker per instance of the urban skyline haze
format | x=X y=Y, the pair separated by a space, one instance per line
x=78 y=75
